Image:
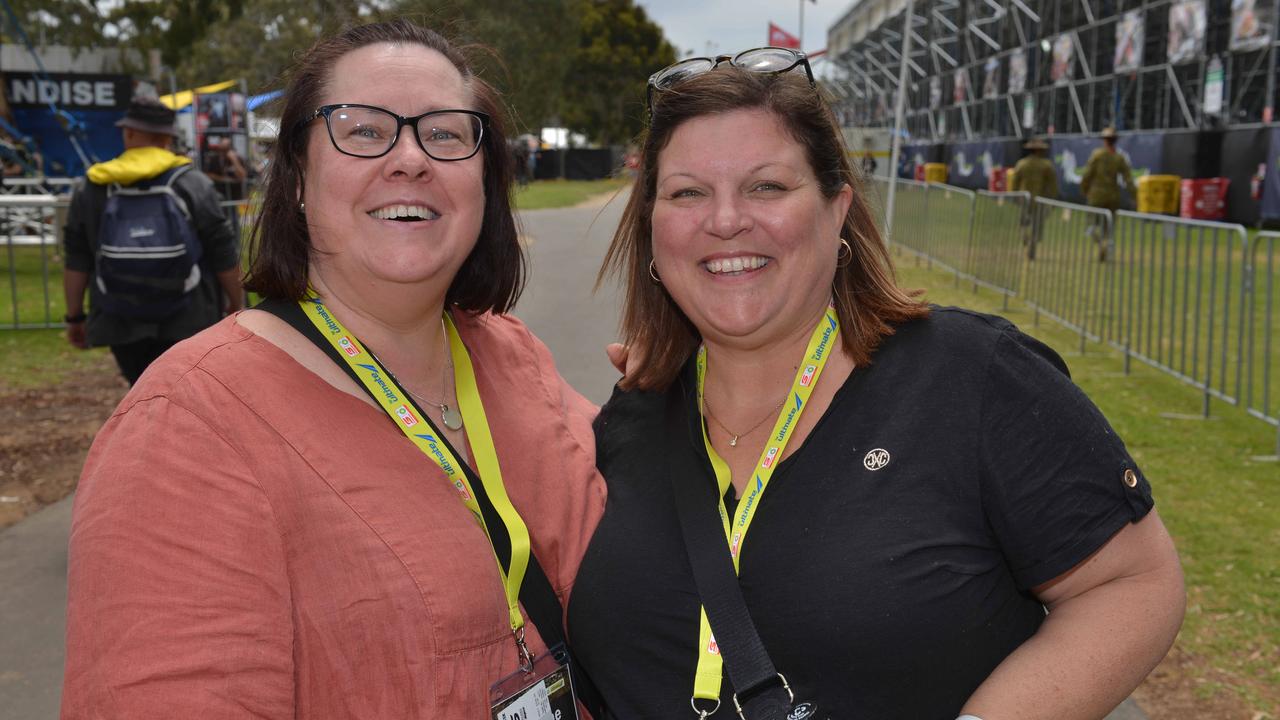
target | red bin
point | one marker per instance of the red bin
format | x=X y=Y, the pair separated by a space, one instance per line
x=920 y=172
x=1204 y=198
x=999 y=180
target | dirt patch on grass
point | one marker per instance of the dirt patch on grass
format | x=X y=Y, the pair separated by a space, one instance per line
x=1185 y=686
x=45 y=434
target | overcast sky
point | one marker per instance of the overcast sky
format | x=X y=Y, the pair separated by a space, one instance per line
x=733 y=25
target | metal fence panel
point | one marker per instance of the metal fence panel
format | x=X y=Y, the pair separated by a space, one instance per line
x=1182 y=307
x=948 y=226
x=1002 y=226
x=1262 y=331
x=1067 y=280
x=31 y=258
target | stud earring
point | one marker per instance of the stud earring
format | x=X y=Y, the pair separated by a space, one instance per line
x=302 y=207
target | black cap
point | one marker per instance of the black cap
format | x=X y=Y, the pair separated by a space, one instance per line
x=149 y=115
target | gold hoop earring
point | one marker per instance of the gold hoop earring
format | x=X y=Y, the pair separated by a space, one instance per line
x=653 y=274
x=844 y=258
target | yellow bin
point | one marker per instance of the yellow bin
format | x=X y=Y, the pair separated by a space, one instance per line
x=1158 y=194
x=935 y=172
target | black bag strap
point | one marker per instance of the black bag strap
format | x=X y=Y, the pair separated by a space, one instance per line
x=755 y=680
x=536 y=593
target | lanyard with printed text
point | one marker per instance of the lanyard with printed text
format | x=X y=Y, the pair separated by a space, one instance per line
x=383 y=387
x=707 y=678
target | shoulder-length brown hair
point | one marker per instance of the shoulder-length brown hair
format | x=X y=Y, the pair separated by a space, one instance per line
x=491 y=278
x=867 y=298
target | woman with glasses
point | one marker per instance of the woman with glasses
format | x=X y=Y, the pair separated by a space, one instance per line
x=902 y=490
x=368 y=496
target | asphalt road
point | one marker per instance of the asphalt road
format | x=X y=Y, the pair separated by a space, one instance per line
x=566 y=247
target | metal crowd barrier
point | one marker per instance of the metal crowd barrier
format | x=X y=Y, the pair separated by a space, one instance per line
x=30 y=228
x=1067 y=281
x=31 y=239
x=1194 y=299
x=1002 y=227
x=1262 y=334
x=1181 y=296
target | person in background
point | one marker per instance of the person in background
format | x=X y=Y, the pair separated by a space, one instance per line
x=869 y=163
x=1036 y=175
x=138 y=323
x=223 y=165
x=368 y=496
x=1104 y=175
x=927 y=517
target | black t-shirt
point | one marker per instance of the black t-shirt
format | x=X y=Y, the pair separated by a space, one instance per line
x=885 y=593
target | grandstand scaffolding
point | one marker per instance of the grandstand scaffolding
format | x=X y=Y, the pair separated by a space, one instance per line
x=1015 y=68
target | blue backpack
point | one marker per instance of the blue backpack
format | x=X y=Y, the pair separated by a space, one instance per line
x=148 y=259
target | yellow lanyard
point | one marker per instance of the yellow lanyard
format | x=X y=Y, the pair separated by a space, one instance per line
x=396 y=403
x=707 y=678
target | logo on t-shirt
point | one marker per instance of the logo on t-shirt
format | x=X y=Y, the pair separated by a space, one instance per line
x=876 y=459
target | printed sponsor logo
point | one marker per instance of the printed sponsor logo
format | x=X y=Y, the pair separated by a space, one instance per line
x=347 y=346
x=376 y=377
x=791 y=417
x=751 y=500
x=807 y=377
x=406 y=416
x=826 y=338
x=328 y=320
x=434 y=446
x=737 y=543
x=769 y=456
x=712 y=646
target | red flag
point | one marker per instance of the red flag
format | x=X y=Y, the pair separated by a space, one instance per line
x=781 y=38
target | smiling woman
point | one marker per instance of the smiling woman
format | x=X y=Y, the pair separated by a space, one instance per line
x=369 y=495
x=931 y=483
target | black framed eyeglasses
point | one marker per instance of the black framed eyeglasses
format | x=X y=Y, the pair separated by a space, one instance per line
x=367 y=131
x=769 y=60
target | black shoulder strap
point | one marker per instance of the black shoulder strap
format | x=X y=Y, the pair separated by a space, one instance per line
x=746 y=660
x=536 y=593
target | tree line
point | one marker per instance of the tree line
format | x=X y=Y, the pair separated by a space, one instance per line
x=580 y=64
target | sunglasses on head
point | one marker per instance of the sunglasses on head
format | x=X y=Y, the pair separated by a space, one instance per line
x=768 y=60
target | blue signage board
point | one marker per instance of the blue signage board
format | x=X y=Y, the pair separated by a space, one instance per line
x=969 y=164
x=95 y=101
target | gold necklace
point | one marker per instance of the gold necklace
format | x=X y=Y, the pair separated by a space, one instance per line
x=733 y=442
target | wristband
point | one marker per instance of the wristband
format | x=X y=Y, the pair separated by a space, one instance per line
x=74 y=319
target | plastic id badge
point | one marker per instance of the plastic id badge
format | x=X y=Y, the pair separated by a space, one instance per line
x=543 y=693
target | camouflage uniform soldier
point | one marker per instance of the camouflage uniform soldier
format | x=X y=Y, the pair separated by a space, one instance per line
x=1100 y=184
x=1036 y=175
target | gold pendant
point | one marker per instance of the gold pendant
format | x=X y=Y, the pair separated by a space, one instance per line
x=451 y=418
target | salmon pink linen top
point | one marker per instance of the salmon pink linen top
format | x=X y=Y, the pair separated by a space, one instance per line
x=250 y=542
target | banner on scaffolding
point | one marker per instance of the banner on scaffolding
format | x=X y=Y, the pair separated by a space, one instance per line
x=1130 y=36
x=1251 y=24
x=1017 y=71
x=970 y=163
x=991 y=79
x=1186 y=30
x=1271 y=185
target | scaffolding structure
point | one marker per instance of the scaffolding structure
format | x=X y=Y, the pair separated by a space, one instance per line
x=984 y=69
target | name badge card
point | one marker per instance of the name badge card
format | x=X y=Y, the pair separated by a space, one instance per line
x=543 y=693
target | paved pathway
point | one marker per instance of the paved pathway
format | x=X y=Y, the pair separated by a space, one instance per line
x=566 y=247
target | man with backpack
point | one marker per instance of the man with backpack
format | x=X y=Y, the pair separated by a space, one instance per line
x=146 y=238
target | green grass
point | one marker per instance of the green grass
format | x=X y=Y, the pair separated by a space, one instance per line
x=1219 y=500
x=40 y=358
x=25 y=269
x=544 y=194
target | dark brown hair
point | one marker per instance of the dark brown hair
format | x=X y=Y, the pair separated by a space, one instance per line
x=492 y=276
x=868 y=301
